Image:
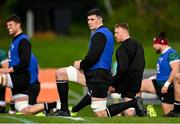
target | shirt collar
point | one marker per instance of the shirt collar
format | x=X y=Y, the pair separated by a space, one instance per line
x=166 y=50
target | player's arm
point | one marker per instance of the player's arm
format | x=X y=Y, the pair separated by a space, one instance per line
x=5 y=63
x=96 y=48
x=123 y=63
x=175 y=65
x=24 y=51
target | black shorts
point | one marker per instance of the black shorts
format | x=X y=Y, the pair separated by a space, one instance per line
x=33 y=92
x=99 y=90
x=2 y=93
x=167 y=97
x=98 y=82
x=129 y=86
x=20 y=82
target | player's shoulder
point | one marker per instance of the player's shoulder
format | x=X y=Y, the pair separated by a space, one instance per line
x=173 y=55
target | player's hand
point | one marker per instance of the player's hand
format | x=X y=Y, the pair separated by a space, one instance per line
x=77 y=64
x=111 y=89
x=6 y=70
x=164 y=89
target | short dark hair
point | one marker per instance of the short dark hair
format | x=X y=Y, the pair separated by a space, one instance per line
x=122 y=25
x=162 y=35
x=96 y=12
x=14 y=18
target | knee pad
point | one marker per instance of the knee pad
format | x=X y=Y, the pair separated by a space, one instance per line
x=98 y=105
x=72 y=73
x=21 y=101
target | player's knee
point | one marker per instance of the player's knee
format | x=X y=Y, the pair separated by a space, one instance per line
x=21 y=102
x=99 y=108
x=60 y=74
x=102 y=113
x=177 y=77
x=129 y=112
x=145 y=85
x=26 y=110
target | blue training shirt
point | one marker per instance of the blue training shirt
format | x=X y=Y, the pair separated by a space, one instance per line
x=33 y=69
x=163 y=64
x=105 y=60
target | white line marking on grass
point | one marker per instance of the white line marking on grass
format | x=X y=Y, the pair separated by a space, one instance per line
x=21 y=120
x=73 y=118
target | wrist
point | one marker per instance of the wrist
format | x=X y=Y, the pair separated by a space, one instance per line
x=167 y=83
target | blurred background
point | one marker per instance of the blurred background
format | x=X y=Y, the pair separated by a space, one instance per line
x=59 y=32
x=58 y=27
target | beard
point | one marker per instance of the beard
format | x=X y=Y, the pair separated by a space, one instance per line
x=11 y=32
x=158 y=51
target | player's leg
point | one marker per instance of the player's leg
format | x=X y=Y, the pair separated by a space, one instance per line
x=167 y=107
x=166 y=99
x=130 y=92
x=36 y=108
x=177 y=86
x=129 y=111
x=115 y=109
x=99 y=92
x=62 y=76
x=20 y=102
x=5 y=80
x=99 y=100
x=176 y=111
x=177 y=93
x=71 y=74
x=22 y=106
x=33 y=92
x=2 y=99
x=136 y=103
x=147 y=86
x=86 y=100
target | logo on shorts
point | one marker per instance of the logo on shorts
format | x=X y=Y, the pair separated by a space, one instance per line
x=162 y=98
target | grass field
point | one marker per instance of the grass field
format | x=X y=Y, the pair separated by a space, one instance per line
x=86 y=116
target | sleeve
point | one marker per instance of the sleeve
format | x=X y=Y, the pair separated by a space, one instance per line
x=24 y=51
x=122 y=64
x=96 y=48
x=173 y=57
